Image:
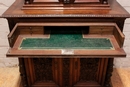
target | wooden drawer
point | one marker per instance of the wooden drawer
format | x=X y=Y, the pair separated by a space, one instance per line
x=66 y=40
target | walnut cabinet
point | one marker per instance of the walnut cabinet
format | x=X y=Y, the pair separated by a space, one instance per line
x=69 y=64
x=66 y=43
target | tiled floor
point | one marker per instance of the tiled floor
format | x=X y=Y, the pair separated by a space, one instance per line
x=9 y=77
x=124 y=73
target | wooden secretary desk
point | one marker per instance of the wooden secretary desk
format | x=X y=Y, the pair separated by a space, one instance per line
x=66 y=43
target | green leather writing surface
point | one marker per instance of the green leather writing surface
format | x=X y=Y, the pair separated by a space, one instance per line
x=66 y=41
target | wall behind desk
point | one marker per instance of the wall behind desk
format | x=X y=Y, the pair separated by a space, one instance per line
x=4 y=30
x=10 y=62
x=125 y=62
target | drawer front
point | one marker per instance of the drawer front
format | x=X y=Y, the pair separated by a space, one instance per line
x=31 y=30
x=101 y=30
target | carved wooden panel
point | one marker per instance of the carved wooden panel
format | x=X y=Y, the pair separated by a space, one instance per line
x=43 y=69
x=88 y=69
x=66 y=70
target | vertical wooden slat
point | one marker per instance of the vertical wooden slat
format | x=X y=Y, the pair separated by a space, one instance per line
x=27 y=71
x=53 y=69
x=60 y=72
x=56 y=70
x=78 y=71
x=74 y=71
x=31 y=74
x=101 y=70
x=33 y=70
x=98 y=71
x=73 y=62
x=104 y=71
x=71 y=72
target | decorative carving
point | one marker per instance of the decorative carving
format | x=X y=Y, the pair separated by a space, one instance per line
x=109 y=73
x=66 y=65
x=65 y=15
x=88 y=69
x=23 y=72
x=43 y=69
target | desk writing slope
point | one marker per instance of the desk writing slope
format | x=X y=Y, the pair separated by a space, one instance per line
x=79 y=40
x=66 y=41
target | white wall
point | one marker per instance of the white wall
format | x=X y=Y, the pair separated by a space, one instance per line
x=9 y=62
x=4 y=30
x=125 y=62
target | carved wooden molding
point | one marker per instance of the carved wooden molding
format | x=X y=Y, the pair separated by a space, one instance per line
x=66 y=15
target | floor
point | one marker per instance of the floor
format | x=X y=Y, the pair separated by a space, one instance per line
x=124 y=74
x=9 y=77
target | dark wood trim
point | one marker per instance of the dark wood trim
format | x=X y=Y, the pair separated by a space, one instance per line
x=23 y=72
x=75 y=15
